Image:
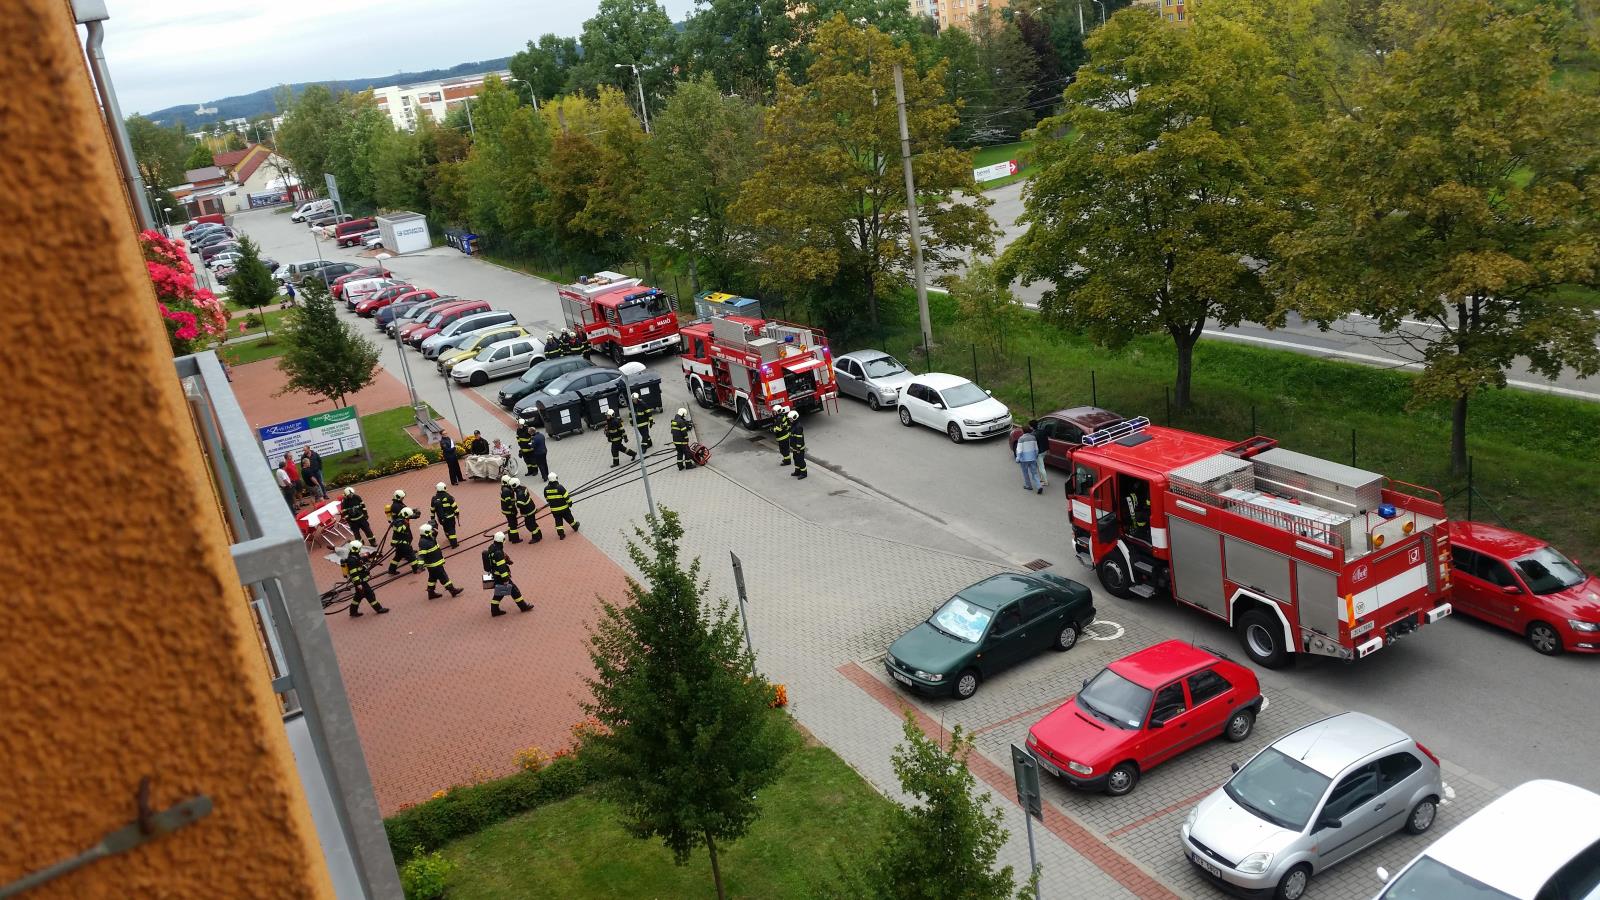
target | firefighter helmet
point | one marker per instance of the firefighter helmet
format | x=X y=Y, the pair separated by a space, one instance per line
x=399 y=495
x=683 y=412
x=355 y=547
x=499 y=537
x=793 y=415
x=407 y=512
x=505 y=479
x=554 y=477
x=427 y=528
x=439 y=486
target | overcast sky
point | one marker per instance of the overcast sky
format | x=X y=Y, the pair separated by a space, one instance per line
x=192 y=51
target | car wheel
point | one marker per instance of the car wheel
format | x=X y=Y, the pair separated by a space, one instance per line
x=967 y=683
x=1292 y=886
x=1113 y=577
x=479 y=379
x=1544 y=639
x=905 y=417
x=747 y=419
x=1122 y=779
x=1240 y=724
x=872 y=403
x=954 y=431
x=1067 y=638
x=1262 y=637
x=1422 y=816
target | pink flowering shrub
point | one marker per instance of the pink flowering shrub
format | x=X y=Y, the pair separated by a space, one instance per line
x=191 y=313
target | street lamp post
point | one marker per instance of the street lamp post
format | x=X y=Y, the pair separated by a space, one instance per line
x=643 y=112
x=167 y=228
x=1102 y=6
x=531 y=95
x=629 y=370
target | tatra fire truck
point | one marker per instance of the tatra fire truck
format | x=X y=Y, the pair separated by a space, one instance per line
x=1297 y=554
x=748 y=365
x=619 y=316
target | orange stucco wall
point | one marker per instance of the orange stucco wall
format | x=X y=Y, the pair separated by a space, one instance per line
x=124 y=649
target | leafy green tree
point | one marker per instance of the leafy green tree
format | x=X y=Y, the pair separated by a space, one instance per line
x=594 y=171
x=324 y=356
x=311 y=124
x=687 y=738
x=624 y=32
x=1146 y=213
x=160 y=152
x=964 y=78
x=988 y=308
x=252 y=285
x=828 y=205
x=547 y=65
x=1458 y=189
x=946 y=844
x=892 y=17
x=362 y=128
x=1000 y=111
x=702 y=151
x=199 y=157
x=734 y=42
x=504 y=172
x=233 y=141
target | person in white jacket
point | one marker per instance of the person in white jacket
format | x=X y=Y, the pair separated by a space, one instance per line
x=1028 y=460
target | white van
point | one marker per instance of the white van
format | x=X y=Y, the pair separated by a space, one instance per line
x=313 y=208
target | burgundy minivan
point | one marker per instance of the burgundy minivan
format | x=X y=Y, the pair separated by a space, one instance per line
x=346 y=234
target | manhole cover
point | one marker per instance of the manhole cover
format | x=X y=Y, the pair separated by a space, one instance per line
x=1037 y=565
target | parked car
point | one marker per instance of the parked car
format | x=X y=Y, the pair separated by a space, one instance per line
x=221 y=259
x=311 y=208
x=403 y=319
x=1524 y=585
x=213 y=249
x=348 y=234
x=372 y=239
x=442 y=320
x=224 y=274
x=1537 y=841
x=556 y=391
x=871 y=375
x=451 y=334
x=213 y=239
x=512 y=357
x=379 y=299
x=404 y=329
x=1310 y=800
x=1062 y=431
x=322 y=220
x=537 y=378
x=356 y=291
x=357 y=273
x=953 y=405
x=987 y=627
x=205 y=231
x=329 y=274
x=295 y=271
x=471 y=344
x=1143 y=710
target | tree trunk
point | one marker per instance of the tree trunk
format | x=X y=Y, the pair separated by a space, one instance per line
x=1180 y=389
x=1458 y=436
x=872 y=300
x=716 y=871
x=694 y=277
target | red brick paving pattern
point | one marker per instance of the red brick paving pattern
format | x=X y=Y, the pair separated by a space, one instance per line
x=256 y=385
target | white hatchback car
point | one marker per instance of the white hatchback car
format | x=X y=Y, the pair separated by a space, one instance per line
x=1539 y=841
x=953 y=405
x=511 y=357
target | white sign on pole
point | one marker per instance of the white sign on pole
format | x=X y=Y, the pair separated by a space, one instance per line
x=998 y=170
x=327 y=433
x=333 y=191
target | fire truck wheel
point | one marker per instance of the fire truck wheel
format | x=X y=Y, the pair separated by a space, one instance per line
x=1113 y=577
x=747 y=419
x=702 y=395
x=1262 y=636
x=616 y=354
x=967 y=683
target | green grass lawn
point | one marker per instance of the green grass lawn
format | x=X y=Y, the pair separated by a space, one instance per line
x=251 y=351
x=386 y=437
x=818 y=811
x=275 y=323
x=1021 y=151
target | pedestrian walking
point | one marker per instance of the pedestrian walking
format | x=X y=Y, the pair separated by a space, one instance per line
x=445 y=512
x=643 y=418
x=432 y=556
x=311 y=472
x=353 y=510
x=680 y=438
x=1044 y=445
x=797 y=444
x=1028 y=460
x=560 y=504
x=358 y=571
x=288 y=295
x=780 y=431
x=447 y=446
x=618 y=437
x=525 y=445
x=286 y=484
x=400 y=548
x=508 y=507
x=497 y=565
x=528 y=509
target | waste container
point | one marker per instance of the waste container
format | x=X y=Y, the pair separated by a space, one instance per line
x=452 y=237
x=563 y=415
x=647 y=386
x=601 y=401
x=469 y=244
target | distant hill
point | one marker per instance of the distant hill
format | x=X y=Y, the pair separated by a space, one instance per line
x=246 y=106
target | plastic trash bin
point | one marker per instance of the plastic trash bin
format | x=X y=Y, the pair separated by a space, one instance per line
x=563 y=415
x=469 y=244
x=601 y=401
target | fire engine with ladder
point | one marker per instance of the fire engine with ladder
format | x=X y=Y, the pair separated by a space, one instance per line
x=620 y=316
x=748 y=365
x=1297 y=554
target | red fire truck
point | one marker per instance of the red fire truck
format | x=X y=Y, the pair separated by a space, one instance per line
x=620 y=316
x=1297 y=554
x=747 y=365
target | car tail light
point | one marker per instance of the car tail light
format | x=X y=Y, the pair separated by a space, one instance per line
x=1426 y=752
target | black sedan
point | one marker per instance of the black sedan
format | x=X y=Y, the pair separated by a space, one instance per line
x=539 y=377
x=558 y=404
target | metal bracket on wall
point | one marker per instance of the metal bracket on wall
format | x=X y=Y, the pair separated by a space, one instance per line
x=149 y=826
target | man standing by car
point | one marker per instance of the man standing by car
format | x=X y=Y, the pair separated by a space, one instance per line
x=447 y=446
x=1028 y=460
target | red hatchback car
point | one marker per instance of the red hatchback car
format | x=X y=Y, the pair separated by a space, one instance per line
x=379 y=299
x=1524 y=585
x=1143 y=710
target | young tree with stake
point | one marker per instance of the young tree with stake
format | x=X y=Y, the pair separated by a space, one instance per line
x=325 y=356
x=252 y=286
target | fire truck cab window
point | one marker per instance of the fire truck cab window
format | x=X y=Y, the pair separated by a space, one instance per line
x=699 y=348
x=1082 y=479
x=1135 y=506
x=643 y=309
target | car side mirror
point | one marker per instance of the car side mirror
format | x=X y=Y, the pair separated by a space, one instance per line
x=1085 y=685
x=1333 y=822
x=1511 y=589
x=1383 y=874
x=1156 y=723
x=989 y=393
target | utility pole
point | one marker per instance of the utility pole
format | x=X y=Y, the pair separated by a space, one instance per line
x=911 y=208
x=470 y=127
x=1081 y=32
x=644 y=114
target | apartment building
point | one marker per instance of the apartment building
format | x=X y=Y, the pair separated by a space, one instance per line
x=405 y=103
x=956 y=13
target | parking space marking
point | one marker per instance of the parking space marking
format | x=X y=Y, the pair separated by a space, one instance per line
x=1127 y=872
x=1113 y=631
x=1165 y=811
x=1025 y=713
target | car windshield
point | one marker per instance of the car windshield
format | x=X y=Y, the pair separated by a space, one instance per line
x=964 y=394
x=883 y=367
x=1547 y=571
x=1115 y=699
x=962 y=620
x=642 y=310
x=1278 y=788
x=1429 y=879
x=559 y=386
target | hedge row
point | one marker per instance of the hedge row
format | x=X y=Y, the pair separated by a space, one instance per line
x=471 y=808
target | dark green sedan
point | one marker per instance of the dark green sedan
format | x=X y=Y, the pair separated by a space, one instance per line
x=998 y=622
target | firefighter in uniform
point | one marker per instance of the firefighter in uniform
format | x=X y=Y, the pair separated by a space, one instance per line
x=1138 y=503
x=446 y=512
x=394 y=506
x=525 y=445
x=780 y=431
x=359 y=573
x=643 y=418
x=527 y=508
x=552 y=347
x=618 y=436
x=569 y=344
x=797 y=444
x=497 y=565
x=560 y=503
x=680 y=438
x=508 y=507
x=353 y=510
x=400 y=541
x=433 y=561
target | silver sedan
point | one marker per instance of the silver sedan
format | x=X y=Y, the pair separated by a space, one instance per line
x=873 y=376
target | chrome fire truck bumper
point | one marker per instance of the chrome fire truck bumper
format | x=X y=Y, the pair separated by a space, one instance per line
x=655 y=346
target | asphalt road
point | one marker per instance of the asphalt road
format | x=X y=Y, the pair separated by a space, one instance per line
x=1472 y=693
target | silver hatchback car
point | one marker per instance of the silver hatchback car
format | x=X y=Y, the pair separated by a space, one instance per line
x=1309 y=800
x=871 y=375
